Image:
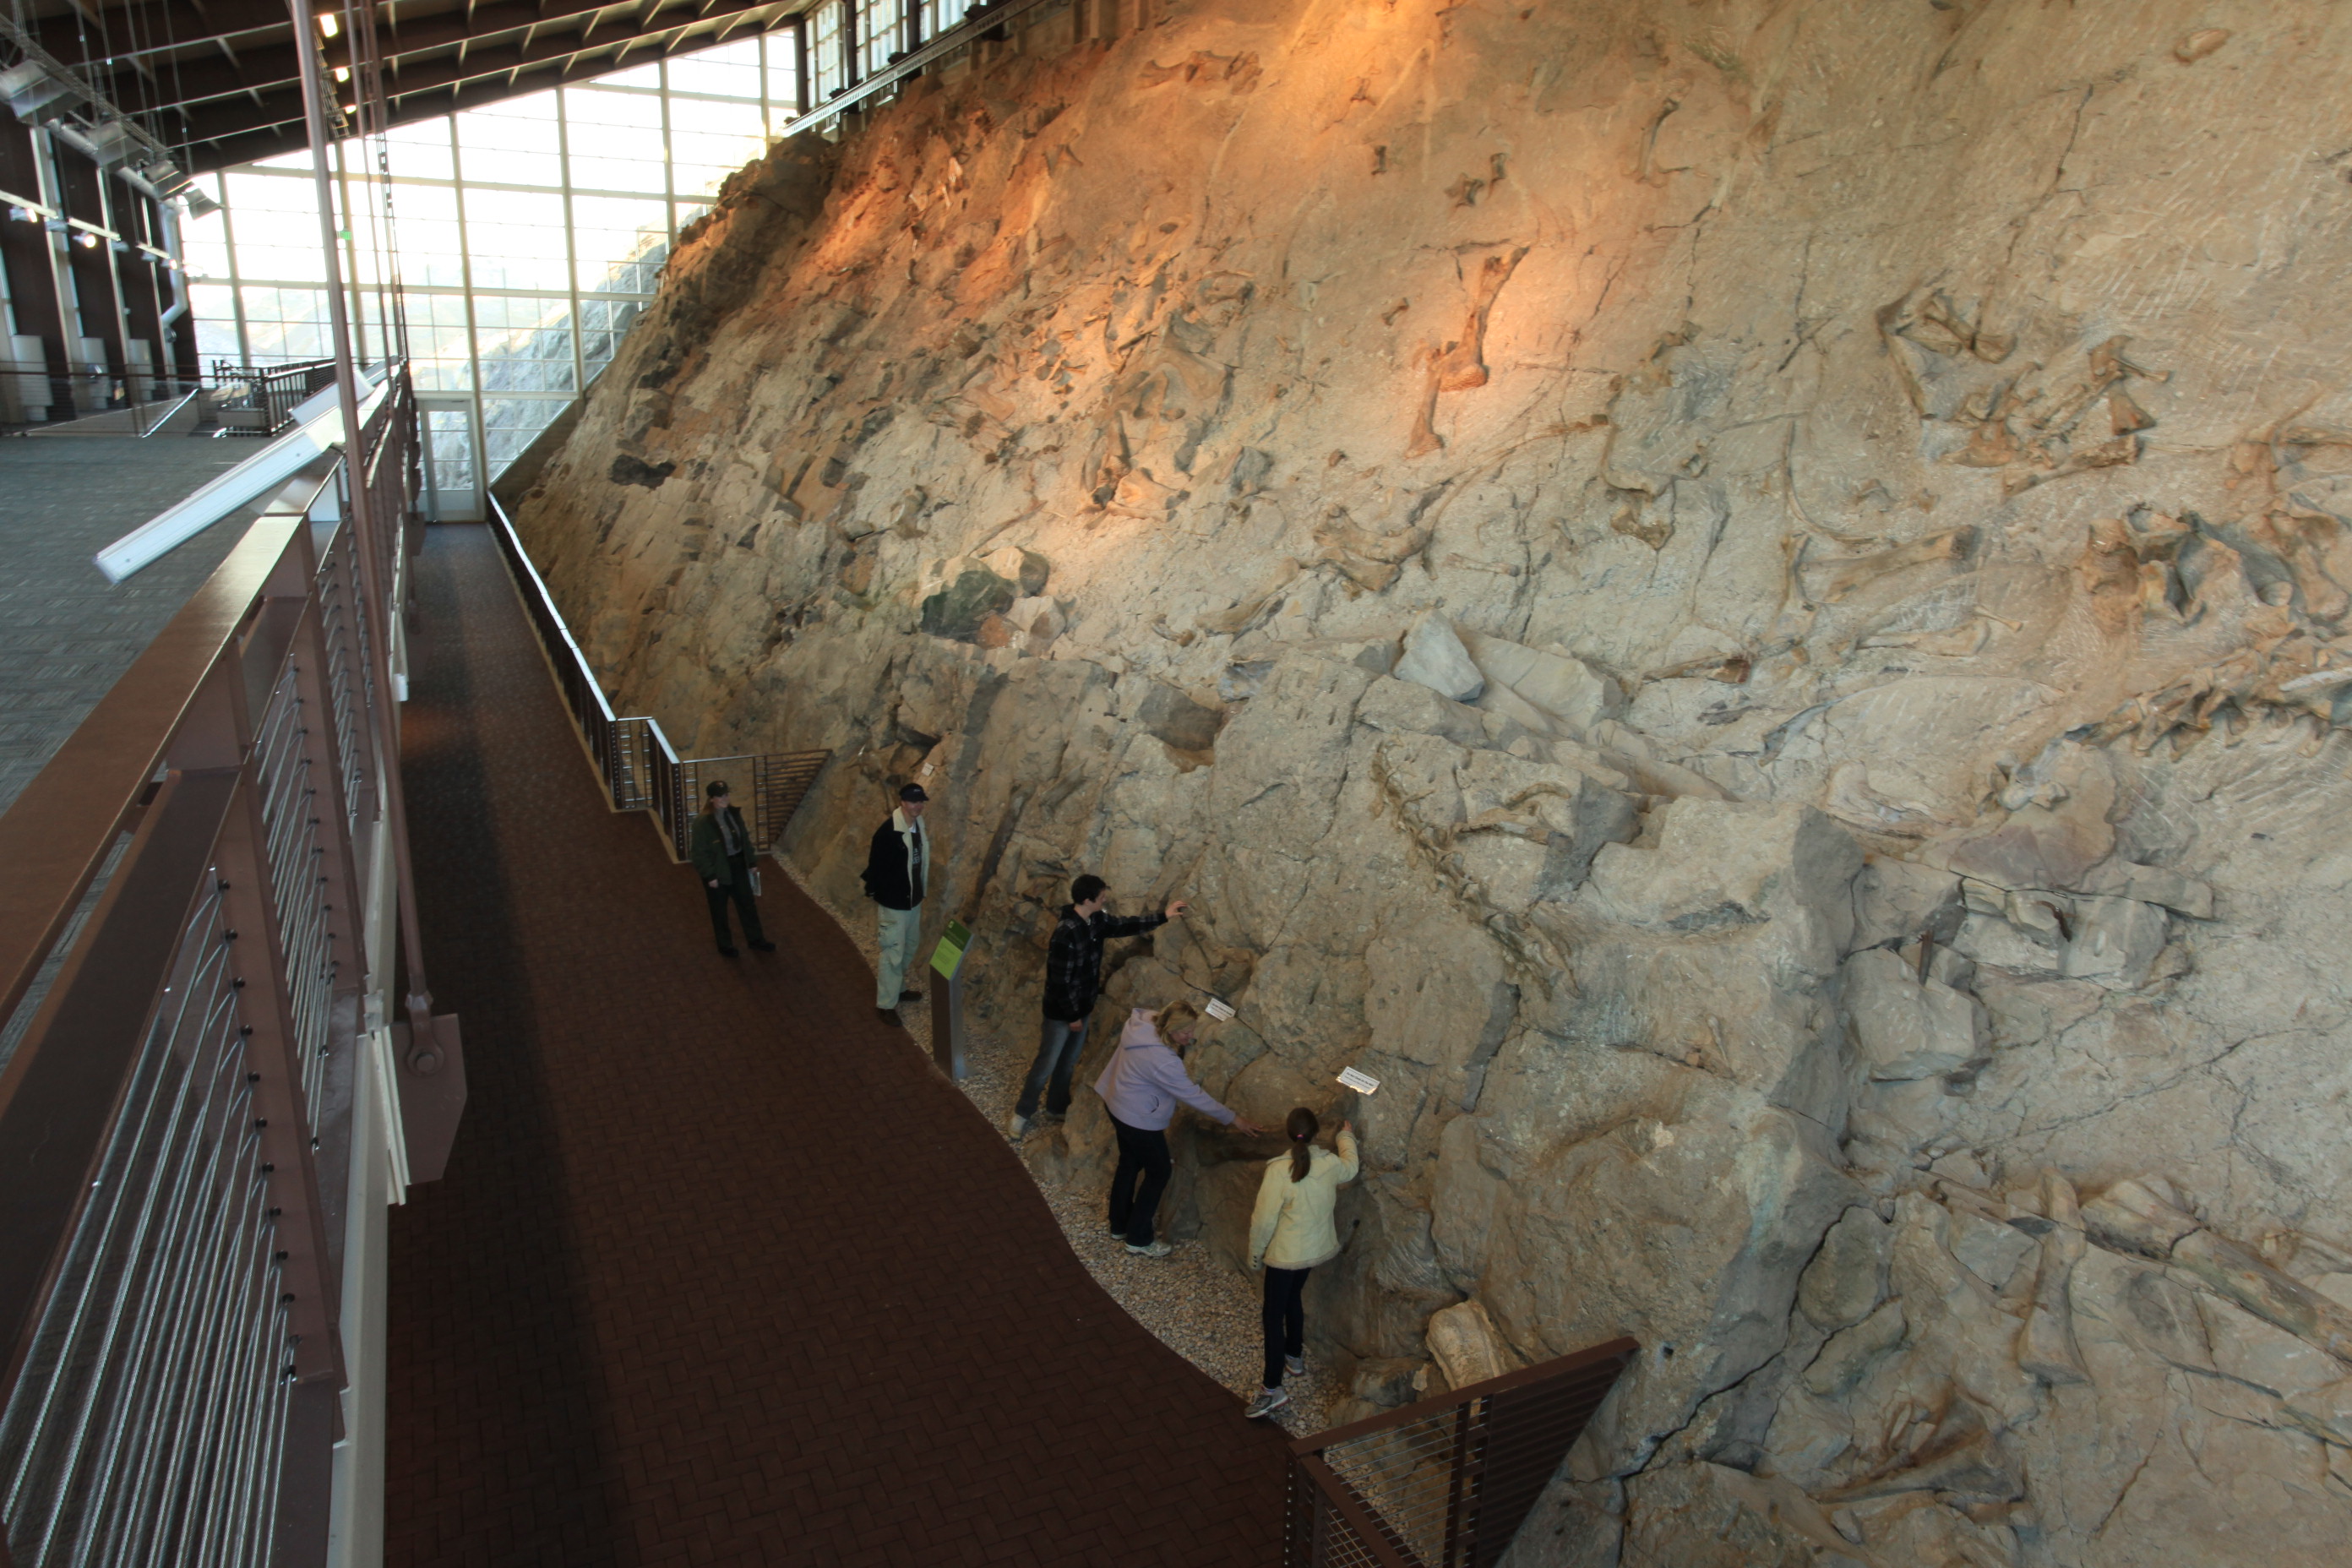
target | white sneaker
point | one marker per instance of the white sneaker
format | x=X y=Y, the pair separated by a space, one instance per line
x=1295 y=1366
x=1017 y=1125
x=1267 y=1401
x=1157 y=1249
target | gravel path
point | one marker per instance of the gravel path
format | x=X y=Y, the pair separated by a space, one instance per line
x=1204 y=1312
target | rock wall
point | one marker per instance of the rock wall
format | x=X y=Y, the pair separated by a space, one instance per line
x=1743 y=601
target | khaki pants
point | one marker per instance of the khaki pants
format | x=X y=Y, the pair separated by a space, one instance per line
x=894 y=969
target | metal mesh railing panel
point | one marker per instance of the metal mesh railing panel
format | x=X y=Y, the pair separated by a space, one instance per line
x=147 y=1423
x=1409 y=1478
x=296 y=853
x=1337 y=1543
x=1527 y=1432
x=1444 y=1483
x=351 y=679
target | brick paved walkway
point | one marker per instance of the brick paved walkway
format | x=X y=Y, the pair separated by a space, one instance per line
x=722 y=1272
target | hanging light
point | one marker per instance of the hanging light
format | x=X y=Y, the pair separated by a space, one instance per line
x=328 y=25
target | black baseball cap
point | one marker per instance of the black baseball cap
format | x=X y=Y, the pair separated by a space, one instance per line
x=912 y=792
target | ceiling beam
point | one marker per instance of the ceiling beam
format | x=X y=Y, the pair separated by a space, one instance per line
x=276 y=63
x=289 y=135
x=64 y=38
x=422 y=88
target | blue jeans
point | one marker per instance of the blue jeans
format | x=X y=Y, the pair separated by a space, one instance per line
x=1057 y=1058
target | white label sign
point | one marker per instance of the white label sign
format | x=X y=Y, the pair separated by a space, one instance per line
x=1361 y=1083
x=1220 y=1010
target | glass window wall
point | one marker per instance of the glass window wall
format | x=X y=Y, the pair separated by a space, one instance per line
x=529 y=234
x=828 y=72
x=879 y=24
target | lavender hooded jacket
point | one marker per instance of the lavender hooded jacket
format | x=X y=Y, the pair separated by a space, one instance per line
x=1146 y=1080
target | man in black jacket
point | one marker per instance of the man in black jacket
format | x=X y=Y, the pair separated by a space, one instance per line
x=1073 y=980
x=721 y=848
x=897 y=874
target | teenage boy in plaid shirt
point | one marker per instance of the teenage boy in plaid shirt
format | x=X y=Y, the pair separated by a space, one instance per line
x=1073 y=981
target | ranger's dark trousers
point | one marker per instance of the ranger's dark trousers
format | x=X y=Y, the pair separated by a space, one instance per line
x=1145 y=1155
x=747 y=908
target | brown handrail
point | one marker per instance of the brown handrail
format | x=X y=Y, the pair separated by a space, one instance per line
x=56 y=836
x=639 y=769
x=176 y=1116
x=1616 y=1351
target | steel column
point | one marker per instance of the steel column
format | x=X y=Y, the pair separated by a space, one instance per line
x=425 y=1053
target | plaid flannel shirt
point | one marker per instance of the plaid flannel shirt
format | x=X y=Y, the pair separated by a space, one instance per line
x=1073 y=958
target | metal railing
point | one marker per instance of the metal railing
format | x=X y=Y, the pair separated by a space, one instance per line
x=983 y=22
x=186 y=934
x=260 y=400
x=1446 y=1482
x=93 y=401
x=635 y=762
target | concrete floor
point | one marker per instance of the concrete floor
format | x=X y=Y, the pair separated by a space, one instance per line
x=66 y=633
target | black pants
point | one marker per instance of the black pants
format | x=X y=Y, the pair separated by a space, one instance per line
x=1285 y=1319
x=746 y=909
x=1143 y=1154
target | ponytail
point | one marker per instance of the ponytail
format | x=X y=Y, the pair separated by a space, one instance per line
x=1301 y=1128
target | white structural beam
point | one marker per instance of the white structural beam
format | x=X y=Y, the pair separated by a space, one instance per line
x=318 y=428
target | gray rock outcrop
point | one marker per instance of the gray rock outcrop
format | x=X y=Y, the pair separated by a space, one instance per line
x=1746 y=603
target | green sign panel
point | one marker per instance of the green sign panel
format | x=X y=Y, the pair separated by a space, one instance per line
x=948 y=957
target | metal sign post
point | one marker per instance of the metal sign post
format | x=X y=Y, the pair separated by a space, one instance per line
x=948 y=1039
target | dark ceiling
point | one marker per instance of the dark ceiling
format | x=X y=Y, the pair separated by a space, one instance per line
x=220 y=78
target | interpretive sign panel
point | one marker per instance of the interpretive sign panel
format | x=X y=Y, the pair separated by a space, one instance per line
x=948 y=957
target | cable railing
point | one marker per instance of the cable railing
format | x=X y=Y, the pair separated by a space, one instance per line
x=1446 y=1482
x=185 y=973
x=635 y=762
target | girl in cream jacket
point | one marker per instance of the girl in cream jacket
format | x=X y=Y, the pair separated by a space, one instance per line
x=1291 y=1232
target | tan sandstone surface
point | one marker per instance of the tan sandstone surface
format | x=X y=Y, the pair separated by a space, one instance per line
x=1743 y=602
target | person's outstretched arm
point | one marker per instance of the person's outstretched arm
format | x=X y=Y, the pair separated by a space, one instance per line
x=1131 y=925
x=1170 y=1074
x=1348 y=1163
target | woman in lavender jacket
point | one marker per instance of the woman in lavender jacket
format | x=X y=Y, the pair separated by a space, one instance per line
x=1142 y=1086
